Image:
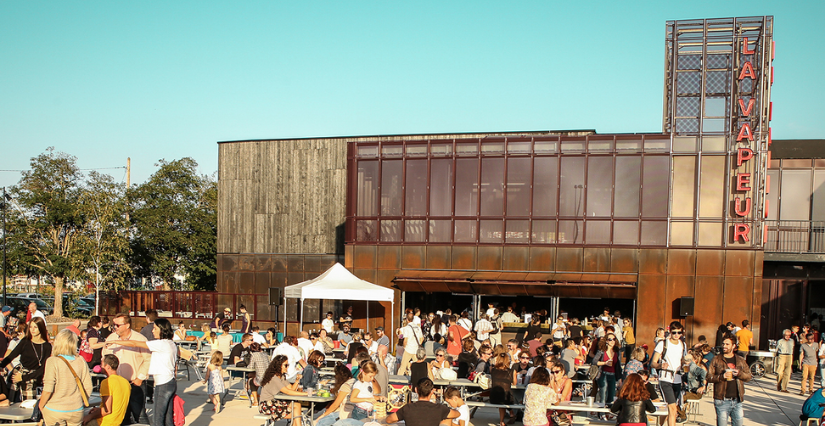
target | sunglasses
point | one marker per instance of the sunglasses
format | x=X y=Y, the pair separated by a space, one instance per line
x=439 y=355
x=524 y=357
x=611 y=340
x=676 y=332
x=557 y=372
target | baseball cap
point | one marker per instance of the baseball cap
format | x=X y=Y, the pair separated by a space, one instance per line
x=7 y=309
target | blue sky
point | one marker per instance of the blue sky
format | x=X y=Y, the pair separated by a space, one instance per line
x=150 y=80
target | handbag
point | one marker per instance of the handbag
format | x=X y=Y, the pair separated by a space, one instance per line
x=482 y=380
x=594 y=372
x=560 y=419
x=79 y=383
x=447 y=373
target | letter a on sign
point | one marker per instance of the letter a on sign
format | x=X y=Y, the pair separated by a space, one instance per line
x=741 y=230
x=747 y=71
x=745 y=132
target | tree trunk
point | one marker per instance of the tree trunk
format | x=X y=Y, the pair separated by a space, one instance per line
x=58 y=296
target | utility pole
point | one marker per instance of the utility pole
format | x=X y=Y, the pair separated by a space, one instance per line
x=3 y=203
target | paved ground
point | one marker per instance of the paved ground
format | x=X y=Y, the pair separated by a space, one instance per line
x=764 y=406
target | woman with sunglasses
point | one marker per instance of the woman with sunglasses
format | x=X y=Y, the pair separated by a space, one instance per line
x=439 y=362
x=607 y=358
x=562 y=387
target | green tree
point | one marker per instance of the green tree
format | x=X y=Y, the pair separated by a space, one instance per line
x=104 y=241
x=49 y=223
x=175 y=223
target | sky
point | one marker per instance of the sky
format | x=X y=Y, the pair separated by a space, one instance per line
x=154 y=80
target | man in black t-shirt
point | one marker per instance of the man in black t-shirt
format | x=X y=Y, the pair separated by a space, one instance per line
x=236 y=355
x=423 y=412
x=728 y=372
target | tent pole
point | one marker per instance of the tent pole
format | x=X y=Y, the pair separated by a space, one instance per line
x=367 y=328
x=301 y=324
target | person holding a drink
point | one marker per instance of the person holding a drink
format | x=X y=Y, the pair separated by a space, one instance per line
x=728 y=372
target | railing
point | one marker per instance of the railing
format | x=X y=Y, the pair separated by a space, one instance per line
x=189 y=305
x=795 y=236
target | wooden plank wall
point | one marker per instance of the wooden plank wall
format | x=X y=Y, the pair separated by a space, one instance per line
x=283 y=196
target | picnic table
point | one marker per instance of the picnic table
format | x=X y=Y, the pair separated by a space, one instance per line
x=15 y=413
x=312 y=400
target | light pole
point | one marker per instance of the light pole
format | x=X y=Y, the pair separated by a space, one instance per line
x=3 y=203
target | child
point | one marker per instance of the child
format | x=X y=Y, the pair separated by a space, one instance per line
x=214 y=380
x=85 y=349
x=453 y=397
x=362 y=395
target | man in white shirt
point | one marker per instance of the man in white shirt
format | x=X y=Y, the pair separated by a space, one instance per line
x=412 y=341
x=509 y=316
x=371 y=345
x=491 y=310
x=305 y=345
x=289 y=348
x=465 y=322
x=317 y=344
x=483 y=328
x=667 y=358
x=256 y=336
x=328 y=323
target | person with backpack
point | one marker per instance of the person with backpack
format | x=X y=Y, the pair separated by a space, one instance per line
x=668 y=356
x=413 y=338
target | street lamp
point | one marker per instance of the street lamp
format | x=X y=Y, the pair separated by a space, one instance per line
x=3 y=202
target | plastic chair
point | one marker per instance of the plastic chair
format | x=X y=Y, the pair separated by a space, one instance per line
x=809 y=422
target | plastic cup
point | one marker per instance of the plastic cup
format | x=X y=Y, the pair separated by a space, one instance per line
x=310 y=391
x=590 y=401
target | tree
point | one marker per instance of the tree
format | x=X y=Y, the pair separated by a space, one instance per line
x=174 y=218
x=104 y=241
x=49 y=223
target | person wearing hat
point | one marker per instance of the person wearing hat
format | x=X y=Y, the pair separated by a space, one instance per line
x=220 y=319
x=6 y=312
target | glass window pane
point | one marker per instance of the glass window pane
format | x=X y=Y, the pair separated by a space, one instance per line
x=773 y=195
x=515 y=148
x=628 y=182
x=391 y=187
x=492 y=187
x=365 y=230
x=414 y=231
x=441 y=187
x=818 y=210
x=715 y=106
x=415 y=193
x=519 y=172
x=392 y=151
x=710 y=234
x=466 y=186
x=714 y=144
x=684 y=185
x=441 y=149
x=417 y=150
x=544 y=147
x=391 y=230
x=599 y=186
x=465 y=231
x=712 y=186
x=544 y=231
x=490 y=231
x=681 y=233
x=626 y=233
x=655 y=186
x=545 y=185
x=489 y=148
x=367 y=201
x=571 y=231
x=572 y=187
x=684 y=144
x=796 y=195
x=628 y=145
x=368 y=151
x=654 y=233
x=466 y=149
x=715 y=125
x=517 y=231
x=440 y=231
x=598 y=232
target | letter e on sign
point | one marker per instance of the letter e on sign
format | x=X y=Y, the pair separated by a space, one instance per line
x=743 y=181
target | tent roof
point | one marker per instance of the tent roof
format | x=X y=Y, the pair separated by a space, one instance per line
x=339 y=283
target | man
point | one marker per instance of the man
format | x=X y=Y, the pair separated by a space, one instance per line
x=483 y=328
x=239 y=351
x=328 y=323
x=667 y=358
x=289 y=349
x=605 y=314
x=133 y=366
x=34 y=313
x=568 y=357
x=412 y=341
x=305 y=345
x=146 y=331
x=346 y=318
x=558 y=332
x=618 y=317
x=812 y=408
x=423 y=412
x=75 y=327
x=220 y=319
x=383 y=356
x=115 y=392
x=509 y=316
x=483 y=365
x=535 y=343
x=513 y=350
x=344 y=336
x=728 y=372
x=371 y=345
x=257 y=338
x=784 y=360
x=575 y=330
x=445 y=318
x=491 y=310
x=795 y=336
x=745 y=337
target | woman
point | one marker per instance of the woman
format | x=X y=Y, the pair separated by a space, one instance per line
x=273 y=383
x=635 y=364
x=467 y=359
x=660 y=335
x=598 y=329
x=326 y=341
x=312 y=372
x=161 y=367
x=62 y=402
x=455 y=338
x=437 y=328
x=634 y=400
x=224 y=341
x=426 y=325
x=259 y=361
x=562 y=387
x=607 y=358
x=352 y=347
x=629 y=339
x=696 y=378
x=246 y=319
x=338 y=411
x=465 y=321
x=33 y=350
x=438 y=363
x=500 y=383
x=420 y=369
x=93 y=337
x=538 y=398
x=105 y=328
x=180 y=333
x=272 y=336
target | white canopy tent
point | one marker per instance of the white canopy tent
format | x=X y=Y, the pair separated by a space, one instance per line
x=339 y=283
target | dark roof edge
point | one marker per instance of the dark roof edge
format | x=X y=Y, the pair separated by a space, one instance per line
x=797 y=148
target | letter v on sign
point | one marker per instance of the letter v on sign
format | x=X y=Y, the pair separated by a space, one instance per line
x=746 y=111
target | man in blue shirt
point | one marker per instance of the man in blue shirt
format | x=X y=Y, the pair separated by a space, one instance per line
x=811 y=409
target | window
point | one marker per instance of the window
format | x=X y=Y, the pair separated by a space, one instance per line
x=655 y=186
x=712 y=186
x=466 y=187
x=545 y=186
x=519 y=171
x=796 y=195
x=391 y=187
x=441 y=187
x=599 y=186
x=628 y=182
x=492 y=187
x=367 y=188
x=571 y=202
x=415 y=193
x=684 y=186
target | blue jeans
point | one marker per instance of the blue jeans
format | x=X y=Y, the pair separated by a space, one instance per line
x=725 y=408
x=607 y=388
x=359 y=413
x=822 y=375
x=162 y=415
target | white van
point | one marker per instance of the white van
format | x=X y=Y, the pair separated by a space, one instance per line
x=28 y=295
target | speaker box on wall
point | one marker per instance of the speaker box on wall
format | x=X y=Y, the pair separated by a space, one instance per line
x=686 y=307
x=275 y=296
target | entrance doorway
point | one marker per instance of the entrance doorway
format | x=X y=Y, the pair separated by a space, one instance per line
x=593 y=308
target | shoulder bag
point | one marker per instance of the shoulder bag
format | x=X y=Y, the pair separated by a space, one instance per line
x=79 y=383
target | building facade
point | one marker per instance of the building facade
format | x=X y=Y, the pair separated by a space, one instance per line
x=565 y=220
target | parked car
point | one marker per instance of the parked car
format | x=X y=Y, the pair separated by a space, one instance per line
x=76 y=305
x=20 y=305
x=28 y=296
